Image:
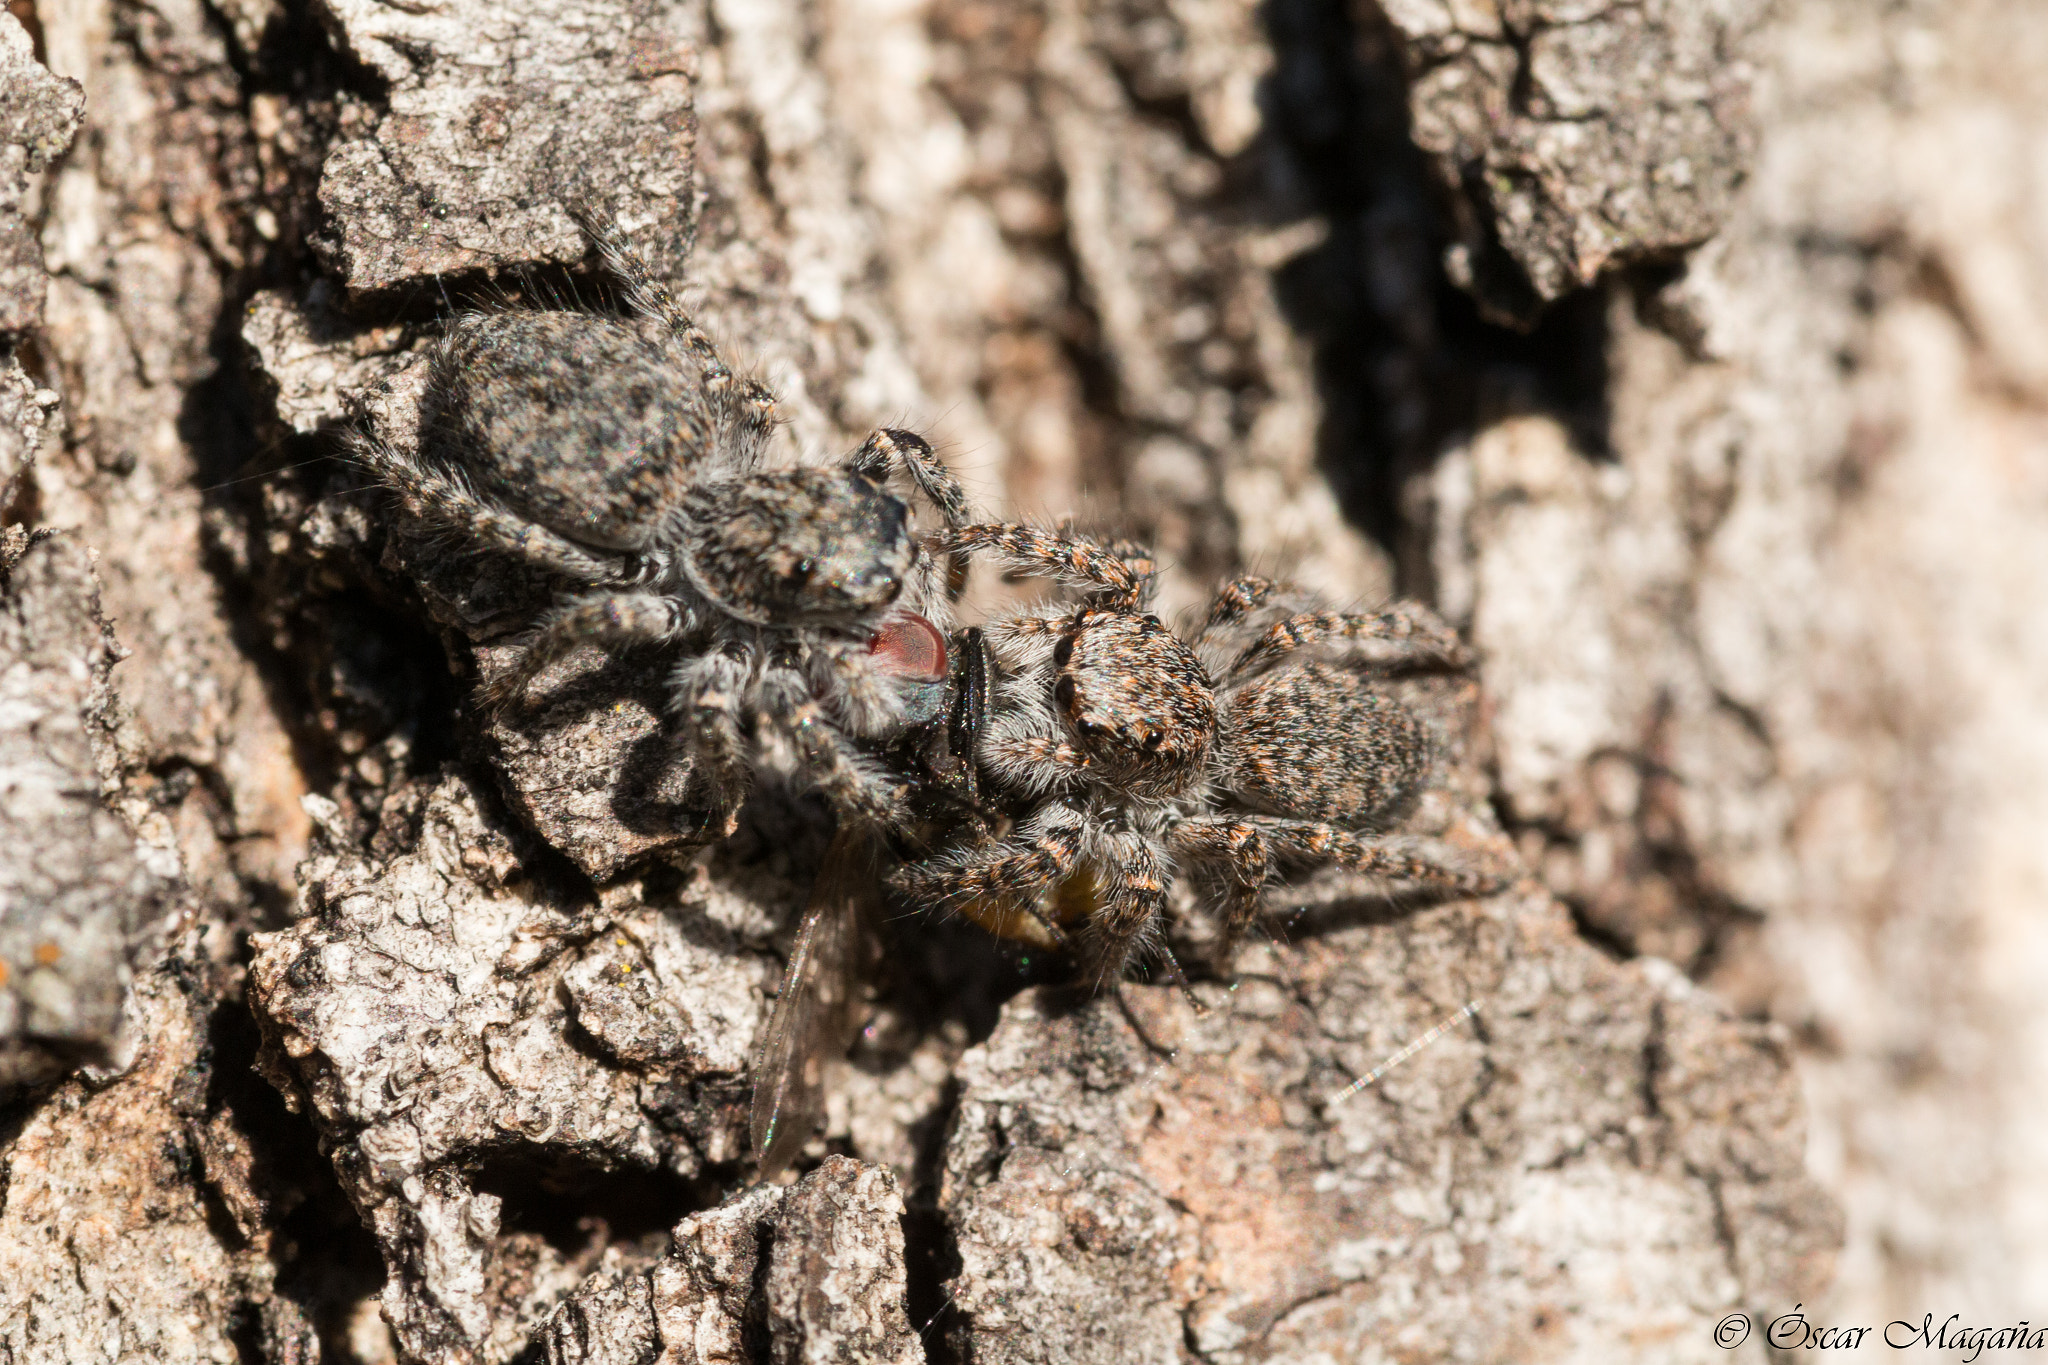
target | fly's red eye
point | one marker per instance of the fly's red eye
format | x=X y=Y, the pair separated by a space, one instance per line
x=908 y=646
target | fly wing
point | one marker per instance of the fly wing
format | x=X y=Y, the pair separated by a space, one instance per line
x=817 y=1013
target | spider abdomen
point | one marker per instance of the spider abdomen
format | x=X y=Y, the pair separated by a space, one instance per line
x=1314 y=743
x=1138 y=701
x=576 y=421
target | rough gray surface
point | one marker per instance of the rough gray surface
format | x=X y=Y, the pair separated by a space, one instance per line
x=25 y=412
x=815 y=1269
x=1603 y=1155
x=39 y=115
x=109 y=1248
x=75 y=910
x=493 y=114
x=312 y=358
x=592 y=765
x=164 y=196
x=1750 y=559
x=1768 y=681
x=835 y=1285
x=1580 y=134
x=1109 y=240
x=436 y=1011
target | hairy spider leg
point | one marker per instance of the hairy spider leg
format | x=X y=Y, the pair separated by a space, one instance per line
x=845 y=668
x=1069 y=560
x=1024 y=643
x=449 y=500
x=856 y=789
x=1308 y=841
x=1131 y=882
x=1014 y=873
x=1236 y=848
x=1238 y=599
x=887 y=450
x=1405 y=637
x=709 y=691
x=600 y=618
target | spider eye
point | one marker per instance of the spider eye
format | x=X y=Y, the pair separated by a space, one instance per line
x=1153 y=739
x=1063 y=651
x=1063 y=693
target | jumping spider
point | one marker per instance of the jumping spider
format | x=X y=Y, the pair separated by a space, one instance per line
x=1127 y=751
x=623 y=455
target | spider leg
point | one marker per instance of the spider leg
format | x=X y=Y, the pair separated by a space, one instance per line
x=1239 y=849
x=449 y=500
x=867 y=704
x=1142 y=563
x=1074 y=561
x=1238 y=599
x=1009 y=872
x=1034 y=765
x=1023 y=748
x=858 y=790
x=887 y=450
x=1132 y=885
x=1307 y=841
x=936 y=583
x=1404 y=635
x=746 y=401
x=709 y=691
x=601 y=618
x=1240 y=612
x=1026 y=642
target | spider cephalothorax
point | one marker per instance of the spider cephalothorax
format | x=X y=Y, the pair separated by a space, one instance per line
x=1137 y=701
x=624 y=456
x=1125 y=753
x=800 y=546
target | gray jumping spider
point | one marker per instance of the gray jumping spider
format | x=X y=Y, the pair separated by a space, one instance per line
x=623 y=455
x=1127 y=751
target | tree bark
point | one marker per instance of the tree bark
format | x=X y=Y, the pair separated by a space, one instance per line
x=1687 y=357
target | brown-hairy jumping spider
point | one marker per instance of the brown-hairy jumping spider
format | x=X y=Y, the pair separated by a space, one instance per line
x=623 y=455
x=1126 y=752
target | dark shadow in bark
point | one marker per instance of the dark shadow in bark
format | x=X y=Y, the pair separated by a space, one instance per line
x=578 y=1207
x=327 y=1262
x=1405 y=360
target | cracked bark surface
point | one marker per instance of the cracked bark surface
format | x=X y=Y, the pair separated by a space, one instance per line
x=74 y=914
x=1588 y=1173
x=444 y=1056
x=1579 y=134
x=39 y=116
x=438 y=1014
